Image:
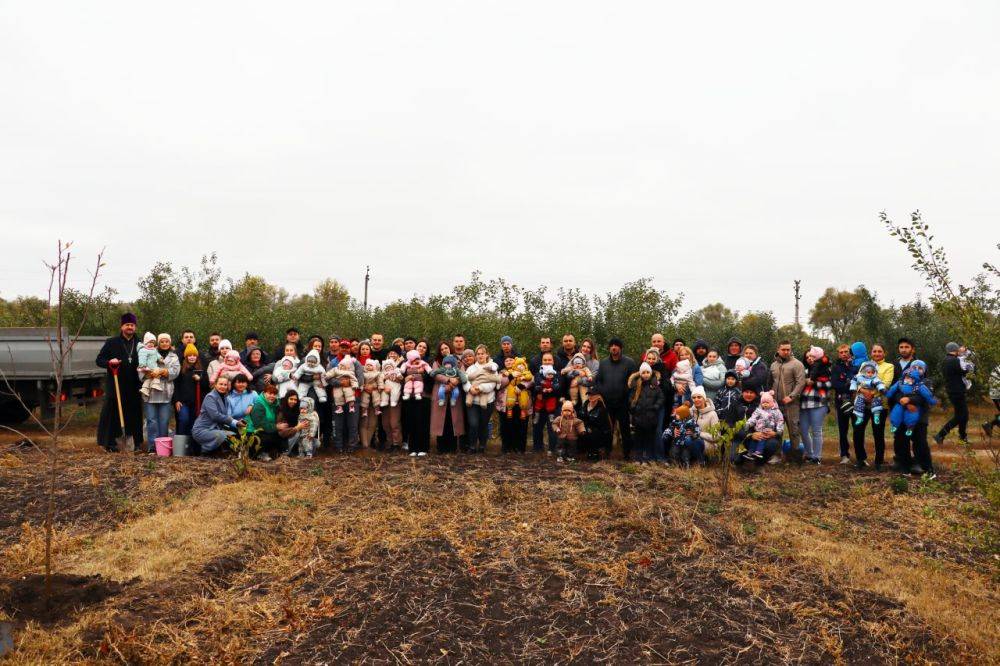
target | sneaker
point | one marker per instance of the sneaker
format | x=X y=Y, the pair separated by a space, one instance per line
x=422 y=454
x=559 y=459
x=845 y=460
x=939 y=439
x=308 y=456
x=413 y=455
x=817 y=461
x=930 y=476
x=264 y=458
x=775 y=459
x=861 y=464
x=757 y=456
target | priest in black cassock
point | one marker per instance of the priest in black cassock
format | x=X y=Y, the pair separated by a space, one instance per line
x=121 y=351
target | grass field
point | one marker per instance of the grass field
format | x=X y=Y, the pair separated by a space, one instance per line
x=484 y=559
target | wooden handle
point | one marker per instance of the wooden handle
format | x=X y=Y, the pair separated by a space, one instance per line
x=118 y=397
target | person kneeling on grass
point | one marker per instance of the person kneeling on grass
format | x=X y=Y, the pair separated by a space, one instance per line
x=214 y=425
x=263 y=422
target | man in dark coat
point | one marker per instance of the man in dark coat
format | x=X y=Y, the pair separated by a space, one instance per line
x=121 y=352
x=612 y=383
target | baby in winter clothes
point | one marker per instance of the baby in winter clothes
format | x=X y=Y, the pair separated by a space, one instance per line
x=449 y=369
x=150 y=359
x=392 y=383
x=966 y=361
x=908 y=415
x=580 y=378
x=343 y=395
x=682 y=372
x=869 y=392
x=309 y=438
x=727 y=398
x=484 y=377
x=281 y=376
x=230 y=367
x=766 y=417
x=568 y=429
x=310 y=375
x=413 y=375
x=374 y=385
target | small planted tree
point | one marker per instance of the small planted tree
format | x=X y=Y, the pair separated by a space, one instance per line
x=60 y=349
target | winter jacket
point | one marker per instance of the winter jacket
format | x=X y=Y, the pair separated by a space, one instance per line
x=239 y=403
x=707 y=419
x=569 y=429
x=645 y=400
x=817 y=393
x=788 y=378
x=245 y=356
x=727 y=403
x=951 y=370
x=173 y=368
x=612 y=380
x=887 y=373
x=757 y=378
x=713 y=377
x=264 y=416
x=860 y=353
x=597 y=422
x=730 y=359
x=185 y=385
x=841 y=374
x=214 y=416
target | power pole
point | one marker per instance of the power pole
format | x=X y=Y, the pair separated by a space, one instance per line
x=368 y=268
x=798 y=325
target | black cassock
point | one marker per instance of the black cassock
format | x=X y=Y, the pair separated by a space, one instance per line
x=109 y=427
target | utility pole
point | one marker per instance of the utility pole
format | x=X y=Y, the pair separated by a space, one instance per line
x=368 y=268
x=798 y=325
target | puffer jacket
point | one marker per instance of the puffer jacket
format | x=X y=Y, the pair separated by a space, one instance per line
x=713 y=377
x=707 y=420
x=645 y=400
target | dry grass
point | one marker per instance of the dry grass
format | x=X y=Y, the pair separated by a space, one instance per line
x=481 y=560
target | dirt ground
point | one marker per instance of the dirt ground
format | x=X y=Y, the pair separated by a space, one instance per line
x=385 y=559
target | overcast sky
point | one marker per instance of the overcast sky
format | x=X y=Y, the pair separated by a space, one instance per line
x=722 y=148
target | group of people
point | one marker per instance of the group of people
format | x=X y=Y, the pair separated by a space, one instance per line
x=672 y=404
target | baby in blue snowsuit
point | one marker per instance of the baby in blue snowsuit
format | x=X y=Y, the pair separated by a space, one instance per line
x=867 y=378
x=908 y=415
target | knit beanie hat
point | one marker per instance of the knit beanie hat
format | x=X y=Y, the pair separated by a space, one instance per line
x=645 y=367
x=699 y=390
x=412 y=355
x=616 y=342
x=567 y=405
x=815 y=353
x=951 y=347
x=233 y=355
x=164 y=336
x=767 y=400
x=450 y=358
x=506 y=338
x=224 y=344
x=190 y=350
x=683 y=412
x=148 y=337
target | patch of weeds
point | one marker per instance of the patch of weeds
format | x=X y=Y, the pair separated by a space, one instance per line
x=749 y=529
x=822 y=524
x=827 y=486
x=316 y=471
x=928 y=486
x=297 y=503
x=753 y=492
x=790 y=491
x=629 y=468
x=712 y=508
x=151 y=465
x=593 y=487
x=120 y=502
x=929 y=512
x=899 y=485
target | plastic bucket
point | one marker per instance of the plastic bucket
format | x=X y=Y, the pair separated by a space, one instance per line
x=180 y=445
x=164 y=446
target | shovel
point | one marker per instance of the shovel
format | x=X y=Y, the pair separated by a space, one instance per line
x=125 y=442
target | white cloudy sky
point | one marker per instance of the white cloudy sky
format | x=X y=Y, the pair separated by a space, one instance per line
x=723 y=148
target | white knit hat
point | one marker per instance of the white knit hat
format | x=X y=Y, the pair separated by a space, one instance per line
x=645 y=366
x=148 y=337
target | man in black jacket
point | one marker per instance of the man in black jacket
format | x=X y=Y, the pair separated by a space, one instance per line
x=841 y=374
x=612 y=383
x=954 y=386
x=291 y=337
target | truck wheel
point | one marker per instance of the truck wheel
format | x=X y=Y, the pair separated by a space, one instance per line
x=12 y=412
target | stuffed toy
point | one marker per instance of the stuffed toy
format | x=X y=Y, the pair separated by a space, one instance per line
x=520 y=378
x=230 y=367
x=343 y=395
x=310 y=375
x=308 y=438
x=449 y=369
x=372 y=388
x=392 y=383
x=869 y=392
x=908 y=416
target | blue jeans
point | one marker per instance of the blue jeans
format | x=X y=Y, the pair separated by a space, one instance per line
x=345 y=430
x=811 y=424
x=538 y=431
x=157 y=422
x=478 y=420
x=184 y=420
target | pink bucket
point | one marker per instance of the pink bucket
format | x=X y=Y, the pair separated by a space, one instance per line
x=164 y=446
